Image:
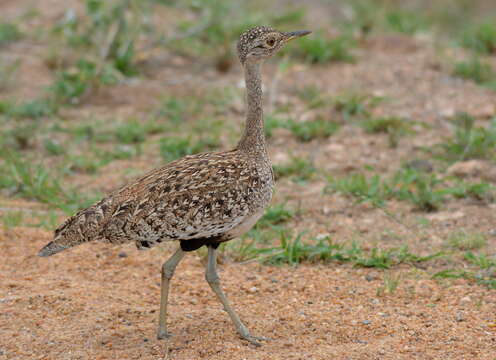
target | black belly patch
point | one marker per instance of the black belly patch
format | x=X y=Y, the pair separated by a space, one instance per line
x=194 y=244
x=144 y=244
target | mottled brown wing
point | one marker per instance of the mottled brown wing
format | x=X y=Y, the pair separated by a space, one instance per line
x=200 y=196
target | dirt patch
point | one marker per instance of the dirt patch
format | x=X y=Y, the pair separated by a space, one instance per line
x=91 y=303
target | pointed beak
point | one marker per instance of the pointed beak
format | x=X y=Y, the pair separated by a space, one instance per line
x=296 y=34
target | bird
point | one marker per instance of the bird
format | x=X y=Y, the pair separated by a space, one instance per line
x=199 y=200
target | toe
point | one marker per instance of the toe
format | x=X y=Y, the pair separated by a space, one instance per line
x=254 y=340
x=163 y=335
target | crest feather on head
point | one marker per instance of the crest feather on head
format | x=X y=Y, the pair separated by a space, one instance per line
x=248 y=36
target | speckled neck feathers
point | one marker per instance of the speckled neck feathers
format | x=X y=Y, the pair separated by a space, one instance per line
x=253 y=139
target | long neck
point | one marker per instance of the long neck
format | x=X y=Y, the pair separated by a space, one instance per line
x=253 y=139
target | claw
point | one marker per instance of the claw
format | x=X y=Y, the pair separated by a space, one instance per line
x=254 y=340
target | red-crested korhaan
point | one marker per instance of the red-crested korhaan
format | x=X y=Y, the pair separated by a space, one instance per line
x=202 y=199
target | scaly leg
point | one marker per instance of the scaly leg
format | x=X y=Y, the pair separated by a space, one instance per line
x=214 y=282
x=167 y=271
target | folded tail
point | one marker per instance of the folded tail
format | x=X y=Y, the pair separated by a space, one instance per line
x=51 y=249
x=83 y=227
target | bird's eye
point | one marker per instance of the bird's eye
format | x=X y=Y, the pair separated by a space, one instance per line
x=271 y=42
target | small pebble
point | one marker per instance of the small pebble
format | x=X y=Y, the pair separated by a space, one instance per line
x=459 y=317
x=372 y=275
x=122 y=254
x=366 y=322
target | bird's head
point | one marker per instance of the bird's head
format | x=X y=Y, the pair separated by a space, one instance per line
x=261 y=42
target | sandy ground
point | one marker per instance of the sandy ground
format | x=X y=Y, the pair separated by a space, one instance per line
x=90 y=303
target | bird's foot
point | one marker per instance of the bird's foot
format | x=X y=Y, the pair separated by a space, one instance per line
x=254 y=340
x=163 y=334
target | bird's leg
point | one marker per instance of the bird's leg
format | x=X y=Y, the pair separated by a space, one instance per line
x=167 y=271
x=214 y=282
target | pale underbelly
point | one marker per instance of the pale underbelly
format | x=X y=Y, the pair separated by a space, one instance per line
x=244 y=226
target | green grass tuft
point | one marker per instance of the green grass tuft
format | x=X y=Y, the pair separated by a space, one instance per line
x=360 y=187
x=318 y=49
x=313 y=97
x=479 y=190
x=177 y=147
x=391 y=283
x=34 y=181
x=132 y=132
x=85 y=164
x=8 y=33
x=419 y=188
x=8 y=73
x=293 y=250
x=173 y=110
x=404 y=21
x=53 y=147
x=33 y=109
x=387 y=124
x=299 y=169
x=73 y=85
x=469 y=141
x=385 y=16
x=481 y=38
x=481 y=260
x=462 y=240
x=353 y=104
x=394 y=126
x=479 y=277
x=275 y=215
x=312 y=129
x=21 y=135
x=272 y=123
x=480 y=72
x=426 y=191
x=12 y=219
